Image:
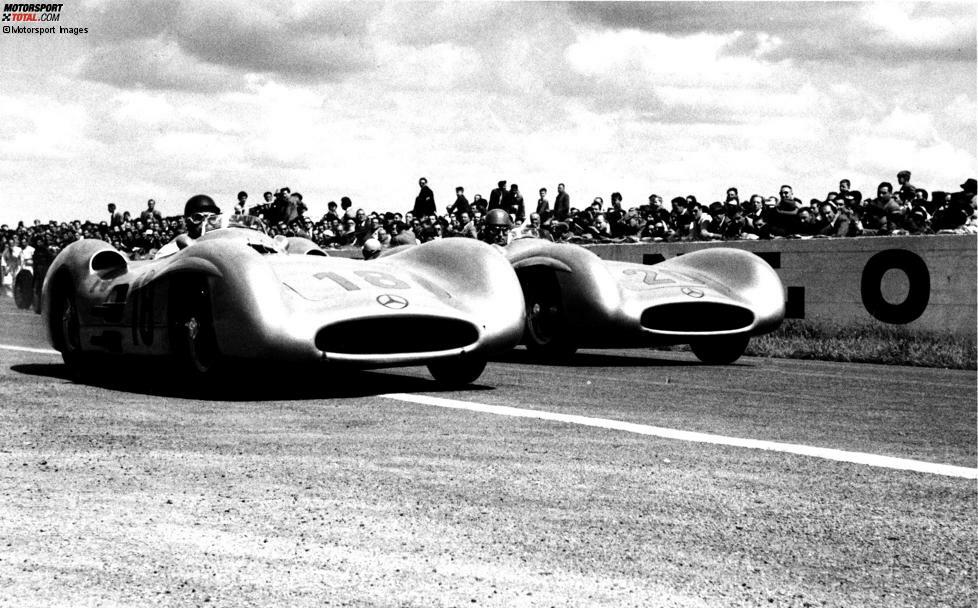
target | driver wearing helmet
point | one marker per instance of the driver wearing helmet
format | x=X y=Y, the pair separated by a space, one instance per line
x=371 y=249
x=197 y=210
x=498 y=230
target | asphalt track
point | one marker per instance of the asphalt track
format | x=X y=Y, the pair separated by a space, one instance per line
x=621 y=478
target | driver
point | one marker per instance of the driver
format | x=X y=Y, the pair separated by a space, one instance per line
x=198 y=208
x=498 y=229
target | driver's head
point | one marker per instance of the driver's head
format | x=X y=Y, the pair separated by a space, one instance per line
x=198 y=208
x=498 y=223
x=371 y=248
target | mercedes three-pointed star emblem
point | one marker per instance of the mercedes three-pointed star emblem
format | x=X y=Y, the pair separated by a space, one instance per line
x=390 y=301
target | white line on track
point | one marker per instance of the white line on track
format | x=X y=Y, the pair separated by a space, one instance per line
x=874 y=460
x=25 y=349
x=888 y=462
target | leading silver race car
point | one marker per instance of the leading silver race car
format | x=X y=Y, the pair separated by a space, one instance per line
x=237 y=293
x=713 y=299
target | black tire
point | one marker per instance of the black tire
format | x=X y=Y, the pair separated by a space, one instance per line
x=547 y=332
x=192 y=335
x=721 y=350
x=66 y=330
x=24 y=290
x=458 y=371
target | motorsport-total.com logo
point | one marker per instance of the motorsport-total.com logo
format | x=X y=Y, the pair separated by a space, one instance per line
x=40 y=14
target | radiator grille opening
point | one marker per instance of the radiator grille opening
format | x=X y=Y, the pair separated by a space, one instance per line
x=697 y=317
x=391 y=335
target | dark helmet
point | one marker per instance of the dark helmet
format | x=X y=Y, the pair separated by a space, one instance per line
x=498 y=217
x=200 y=203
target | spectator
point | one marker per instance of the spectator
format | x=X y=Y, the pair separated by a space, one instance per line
x=834 y=221
x=513 y=203
x=150 y=213
x=701 y=224
x=903 y=178
x=115 y=216
x=497 y=195
x=346 y=204
x=331 y=213
x=880 y=210
x=242 y=203
x=782 y=219
x=479 y=205
x=44 y=252
x=732 y=196
x=958 y=208
x=616 y=215
x=467 y=227
x=424 y=203
x=845 y=187
x=543 y=205
x=733 y=224
x=403 y=235
x=561 y=204
x=461 y=203
x=678 y=215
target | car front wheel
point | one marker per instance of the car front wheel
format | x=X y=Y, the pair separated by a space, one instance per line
x=459 y=371
x=66 y=330
x=721 y=350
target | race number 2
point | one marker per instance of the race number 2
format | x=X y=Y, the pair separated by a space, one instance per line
x=648 y=277
x=373 y=277
x=918 y=293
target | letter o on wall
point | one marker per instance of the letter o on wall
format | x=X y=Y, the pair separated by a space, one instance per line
x=918 y=293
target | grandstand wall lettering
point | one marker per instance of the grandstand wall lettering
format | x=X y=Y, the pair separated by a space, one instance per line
x=913 y=282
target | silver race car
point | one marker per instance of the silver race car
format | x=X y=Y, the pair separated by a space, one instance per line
x=714 y=300
x=235 y=293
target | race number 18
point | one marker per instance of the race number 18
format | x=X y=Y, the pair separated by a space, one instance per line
x=374 y=277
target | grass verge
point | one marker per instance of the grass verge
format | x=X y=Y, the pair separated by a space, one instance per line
x=803 y=339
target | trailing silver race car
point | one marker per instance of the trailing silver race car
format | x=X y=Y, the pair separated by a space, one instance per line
x=713 y=299
x=236 y=293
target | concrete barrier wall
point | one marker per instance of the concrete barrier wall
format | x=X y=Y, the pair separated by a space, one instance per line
x=919 y=282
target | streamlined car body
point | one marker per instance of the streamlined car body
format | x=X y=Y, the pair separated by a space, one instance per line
x=235 y=293
x=713 y=299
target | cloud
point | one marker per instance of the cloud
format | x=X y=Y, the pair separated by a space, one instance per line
x=154 y=64
x=170 y=99
x=209 y=46
x=811 y=31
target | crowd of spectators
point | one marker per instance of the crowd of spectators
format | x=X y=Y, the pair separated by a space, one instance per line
x=845 y=212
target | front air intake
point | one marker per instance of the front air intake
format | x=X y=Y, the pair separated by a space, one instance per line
x=393 y=335
x=697 y=317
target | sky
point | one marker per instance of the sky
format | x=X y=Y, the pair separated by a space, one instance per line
x=164 y=100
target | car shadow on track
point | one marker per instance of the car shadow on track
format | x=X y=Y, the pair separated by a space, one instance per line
x=268 y=383
x=642 y=358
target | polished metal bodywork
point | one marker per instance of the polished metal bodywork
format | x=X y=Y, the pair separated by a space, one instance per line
x=711 y=293
x=289 y=301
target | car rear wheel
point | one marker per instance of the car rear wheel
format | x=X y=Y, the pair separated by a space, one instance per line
x=721 y=350
x=192 y=334
x=458 y=371
x=547 y=331
x=24 y=289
